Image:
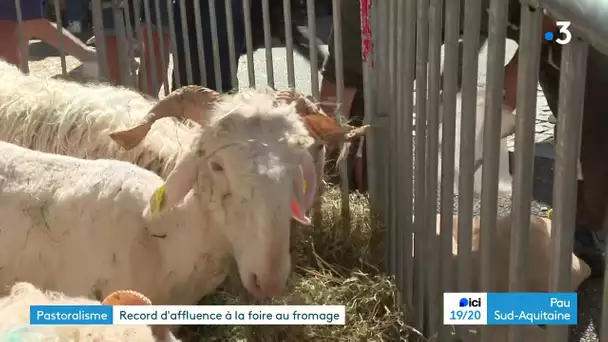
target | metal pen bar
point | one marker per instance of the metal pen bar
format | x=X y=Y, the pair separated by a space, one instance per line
x=231 y=44
x=420 y=219
x=249 y=42
x=432 y=148
x=173 y=38
x=573 y=71
x=151 y=48
x=267 y=43
x=161 y=45
x=217 y=67
x=186 y=38
x=100 y=39
x=291 y=78
x=130 y=41
x=121 y=42
x=491 y=144
x=523 y=173
x=64 y=67
x=312 y=42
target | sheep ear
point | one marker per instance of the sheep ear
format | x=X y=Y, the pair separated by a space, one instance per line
x=179 y=182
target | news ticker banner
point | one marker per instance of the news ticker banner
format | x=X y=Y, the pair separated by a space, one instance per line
x=188 y=315
x=514 y=308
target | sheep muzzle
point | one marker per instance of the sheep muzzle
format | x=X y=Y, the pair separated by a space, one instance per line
x=188 y=102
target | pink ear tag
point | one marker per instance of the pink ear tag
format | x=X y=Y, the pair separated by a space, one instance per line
x=296 y=211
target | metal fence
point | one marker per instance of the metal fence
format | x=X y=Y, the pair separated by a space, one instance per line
x=401 y=44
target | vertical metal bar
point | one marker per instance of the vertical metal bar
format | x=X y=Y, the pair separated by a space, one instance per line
x=249 y=42
x=405 y=145
x=121 y=42
x=339 y=58
x=420 y=222
x=312 y=42
x=64 y=67
x=450 y=88
x=367 y=11
x=231 y=48
x=396 y=25
x=143 y=59
x=470 y=67
x=200 y=42
x=569 y=124
x=390 y=161
x=100 y=38
x=151 y=48
x=161 y=44
x=291 y=78
x=381 y=117
x=432 y=146
x=604 y=320
x=216 y=46
x=523 y=173
x=268 y=43
x=23 y=40
x=186 y=37
x=173 y=38
x=130 y=41
x=491 y=142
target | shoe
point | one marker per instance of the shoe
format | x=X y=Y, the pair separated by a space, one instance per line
x=75 y=27
x=90 y=69
x=552 y=119
x=590 y=246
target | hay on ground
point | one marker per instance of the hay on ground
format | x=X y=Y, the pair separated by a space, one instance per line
x=332 y=266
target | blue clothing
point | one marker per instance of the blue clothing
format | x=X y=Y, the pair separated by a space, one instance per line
x=108 y=16
x=75 y=10
x=30 y=9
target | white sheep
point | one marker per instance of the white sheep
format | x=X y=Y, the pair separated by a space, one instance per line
x=15 y=318
x=69 y=118
x=76 y=226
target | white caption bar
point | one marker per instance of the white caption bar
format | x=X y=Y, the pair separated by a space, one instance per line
x=230 y=315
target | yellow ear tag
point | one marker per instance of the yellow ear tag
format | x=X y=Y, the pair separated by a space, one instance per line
x=550 y=214
x=303 y=180
x=157 y=201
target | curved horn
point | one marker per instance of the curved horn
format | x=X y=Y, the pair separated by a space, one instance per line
x=126 y=297
x=188 y=102
x=304 y=106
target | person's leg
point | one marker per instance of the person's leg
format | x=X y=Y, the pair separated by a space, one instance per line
x=47 y=32
x=154 y=51
x=353 y=83
x=9 y=44
x=75 y=15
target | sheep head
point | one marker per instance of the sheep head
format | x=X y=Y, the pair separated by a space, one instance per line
x=251 y=166
x=129 y=297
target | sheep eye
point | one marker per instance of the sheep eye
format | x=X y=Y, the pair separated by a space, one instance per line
x=216 y=167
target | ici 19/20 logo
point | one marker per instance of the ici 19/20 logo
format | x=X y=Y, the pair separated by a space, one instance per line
x=469 y=302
